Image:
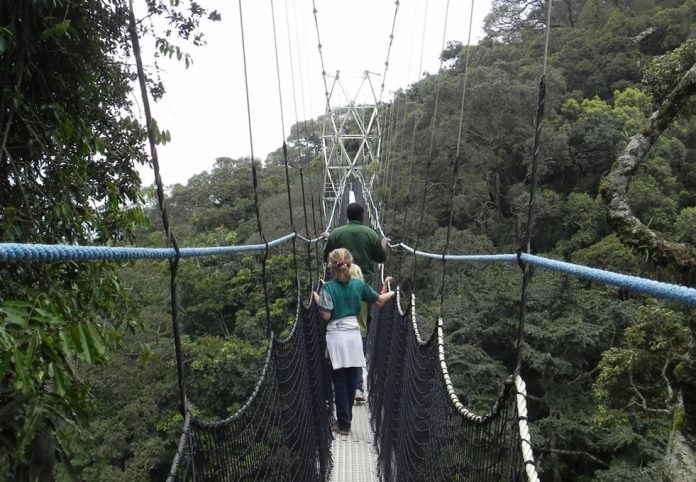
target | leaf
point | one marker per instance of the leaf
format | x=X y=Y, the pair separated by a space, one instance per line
x=33 y=343
x=15 y=315
x=58 y=379
x=85 y=343
x=23 y=383
x=67 y=343
x=97 y=339
x=6 y=340
x=80 y=345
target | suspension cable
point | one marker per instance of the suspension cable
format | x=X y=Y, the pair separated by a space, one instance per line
x=429 y=160
x=302 y=147
x=527 y=236
x=457 y=159
x=309 y=245
x=255 y=178
x=386 y=62
x=306 y=134
x=173 y=263
x=413 y=133
x=285 y=147
x=321 y=56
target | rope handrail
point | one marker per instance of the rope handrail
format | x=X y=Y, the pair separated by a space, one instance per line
x=60 y=252
x=660 y=289
x=71 y=252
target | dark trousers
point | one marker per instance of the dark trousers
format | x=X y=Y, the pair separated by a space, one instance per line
x=344 y=382
x=360 y=385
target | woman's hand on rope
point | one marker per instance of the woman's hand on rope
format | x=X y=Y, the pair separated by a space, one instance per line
x=385 y=294
x=385 y=284
x=315 y=294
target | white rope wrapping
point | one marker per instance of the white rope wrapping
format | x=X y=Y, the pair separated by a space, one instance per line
x=413 y=319
x=398 y=301
x=525 y=437
x=459 y=406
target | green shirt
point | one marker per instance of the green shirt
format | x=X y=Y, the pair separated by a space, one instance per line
x=345 y=299
x=363 y=243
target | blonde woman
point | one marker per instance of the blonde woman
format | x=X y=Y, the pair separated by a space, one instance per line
x=339 y=303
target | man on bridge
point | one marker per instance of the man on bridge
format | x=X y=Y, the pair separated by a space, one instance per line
x=367 y=248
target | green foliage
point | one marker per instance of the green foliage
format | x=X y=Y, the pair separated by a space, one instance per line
x=653 y=195
x=685 y=226
x=665 y=71
x=608 y=253
x=638 y=376
x=223 y=373
x=69 y=150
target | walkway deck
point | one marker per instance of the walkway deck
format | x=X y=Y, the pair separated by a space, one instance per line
x=354 y=458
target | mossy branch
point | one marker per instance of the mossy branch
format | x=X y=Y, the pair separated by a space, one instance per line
x=613 y=187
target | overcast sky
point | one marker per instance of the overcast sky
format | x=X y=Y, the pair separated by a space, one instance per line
x=205 y=106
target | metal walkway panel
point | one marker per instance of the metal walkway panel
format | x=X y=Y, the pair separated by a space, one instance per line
x=354 y=458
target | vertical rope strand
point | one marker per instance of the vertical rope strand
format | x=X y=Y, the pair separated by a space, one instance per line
x=173 y=263
x=264 y=281
x=321 y=56
x=386 y=62
x=430 y=150
x=285 y=149
x=309 y=245
x=457 y=160
x=531 y=208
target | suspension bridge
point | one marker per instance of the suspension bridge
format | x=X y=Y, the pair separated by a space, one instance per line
x=414 y=426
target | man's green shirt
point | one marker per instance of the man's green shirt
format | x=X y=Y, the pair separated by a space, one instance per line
x=363 y=243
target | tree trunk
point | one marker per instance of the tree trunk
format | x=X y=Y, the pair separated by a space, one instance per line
x=614 y=185
x=680 y=462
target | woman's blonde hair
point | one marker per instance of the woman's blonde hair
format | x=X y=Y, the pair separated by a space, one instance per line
x=340 y=261
x=356 y=272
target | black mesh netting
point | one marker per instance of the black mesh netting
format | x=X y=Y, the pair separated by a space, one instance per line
x=421 y=430
x=283 y=430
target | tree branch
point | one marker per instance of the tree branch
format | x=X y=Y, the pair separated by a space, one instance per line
x=613 y=187
x=581 y=453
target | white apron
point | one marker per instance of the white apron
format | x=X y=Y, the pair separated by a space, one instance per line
x=344 y=344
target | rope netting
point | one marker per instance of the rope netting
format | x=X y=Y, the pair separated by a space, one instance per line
x=283 y=430
x=422 y=430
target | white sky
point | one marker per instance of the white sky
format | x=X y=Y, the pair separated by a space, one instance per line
x=205 y=106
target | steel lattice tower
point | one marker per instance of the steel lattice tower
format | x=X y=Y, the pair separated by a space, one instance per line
x=351 y=139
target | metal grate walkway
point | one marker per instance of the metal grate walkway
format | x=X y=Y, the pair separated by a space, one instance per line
x=354 y=459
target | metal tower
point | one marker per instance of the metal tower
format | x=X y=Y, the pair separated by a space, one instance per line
x=351 y=138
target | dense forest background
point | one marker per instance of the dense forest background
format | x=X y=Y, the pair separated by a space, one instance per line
x=89 y=387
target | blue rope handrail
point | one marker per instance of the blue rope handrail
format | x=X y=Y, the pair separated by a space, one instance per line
x=659 y=289
x=68 y=252
x=64 y=252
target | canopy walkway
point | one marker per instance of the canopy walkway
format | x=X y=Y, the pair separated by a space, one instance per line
x=414 y=427
x=418 y=428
